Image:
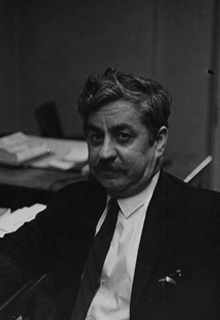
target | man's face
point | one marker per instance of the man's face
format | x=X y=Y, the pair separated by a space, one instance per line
x=120 y=154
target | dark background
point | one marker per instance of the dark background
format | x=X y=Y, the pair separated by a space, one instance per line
x=48 y=47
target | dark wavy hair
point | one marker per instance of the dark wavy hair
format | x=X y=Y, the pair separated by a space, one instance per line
x=147 y=95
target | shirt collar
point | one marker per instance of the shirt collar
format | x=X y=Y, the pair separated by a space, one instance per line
x=131 y=204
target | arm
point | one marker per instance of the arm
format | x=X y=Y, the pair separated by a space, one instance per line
x=32 y=249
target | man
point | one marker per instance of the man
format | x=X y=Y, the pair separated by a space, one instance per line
x=163 y=257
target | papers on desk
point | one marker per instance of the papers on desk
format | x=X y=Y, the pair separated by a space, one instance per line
x=10 y=222
x=66 y=155
x=76 y=158
x=18 y=148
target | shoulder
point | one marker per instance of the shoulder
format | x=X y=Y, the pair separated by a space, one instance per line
x=86 y=188
x=72 y=209
x=186 y=190
x=79 y=194
x=197 y=204
x=197 y=208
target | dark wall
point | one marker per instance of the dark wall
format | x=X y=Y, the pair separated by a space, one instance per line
x=9 y=119
x=59 y=42
x=49 y=47
x=184 y=64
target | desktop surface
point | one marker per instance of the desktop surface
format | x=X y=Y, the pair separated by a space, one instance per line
x=37 y=181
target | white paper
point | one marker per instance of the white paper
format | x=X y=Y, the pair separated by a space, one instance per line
x=11 y=222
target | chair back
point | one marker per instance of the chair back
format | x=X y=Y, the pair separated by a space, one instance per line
x=199 y=176
x=22 y=304
x=48 y=120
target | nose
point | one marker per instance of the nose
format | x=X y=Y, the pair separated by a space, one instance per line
x=107 y=149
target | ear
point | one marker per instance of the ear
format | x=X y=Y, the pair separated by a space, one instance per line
x=161 y=140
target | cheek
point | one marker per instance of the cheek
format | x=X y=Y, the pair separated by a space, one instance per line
x=93 y=154
x=134 y=161
x=139 y=162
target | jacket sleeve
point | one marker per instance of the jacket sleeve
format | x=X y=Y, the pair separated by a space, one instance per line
x=32 y=249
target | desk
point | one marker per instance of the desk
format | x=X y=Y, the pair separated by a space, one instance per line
x=36 y=182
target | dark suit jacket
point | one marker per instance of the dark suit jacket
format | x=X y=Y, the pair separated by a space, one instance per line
x=177 y=275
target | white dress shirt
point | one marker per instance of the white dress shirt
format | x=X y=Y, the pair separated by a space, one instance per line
x=112 y=300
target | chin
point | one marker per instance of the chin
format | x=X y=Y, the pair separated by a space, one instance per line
x=111 y=186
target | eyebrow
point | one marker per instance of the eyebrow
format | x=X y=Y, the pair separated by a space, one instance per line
x=91 y=127
x=117 y=127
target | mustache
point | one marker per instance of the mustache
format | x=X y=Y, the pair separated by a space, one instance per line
x=108 y=166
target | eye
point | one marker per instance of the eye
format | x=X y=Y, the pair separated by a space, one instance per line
x=123 y=137
x=95 y=138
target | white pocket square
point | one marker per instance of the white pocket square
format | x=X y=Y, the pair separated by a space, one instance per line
x=171 y=278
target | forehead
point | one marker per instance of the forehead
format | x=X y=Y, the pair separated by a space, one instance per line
x=115 y=114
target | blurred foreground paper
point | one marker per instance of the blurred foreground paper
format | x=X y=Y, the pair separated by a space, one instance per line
x=11 y=222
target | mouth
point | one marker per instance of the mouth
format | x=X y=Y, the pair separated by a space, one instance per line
x=109 y=170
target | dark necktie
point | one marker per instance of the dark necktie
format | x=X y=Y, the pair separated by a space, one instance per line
x=94 y=264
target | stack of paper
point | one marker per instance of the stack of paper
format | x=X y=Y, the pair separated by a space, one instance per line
x=18 y=148
x=76 y=157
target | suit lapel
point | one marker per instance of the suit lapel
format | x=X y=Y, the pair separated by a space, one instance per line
x=92 y=210
x=151 y=243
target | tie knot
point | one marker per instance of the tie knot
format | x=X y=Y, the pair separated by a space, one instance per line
x=113 y=206
x=112 y=212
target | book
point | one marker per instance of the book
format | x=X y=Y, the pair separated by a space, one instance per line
x=18 y=148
